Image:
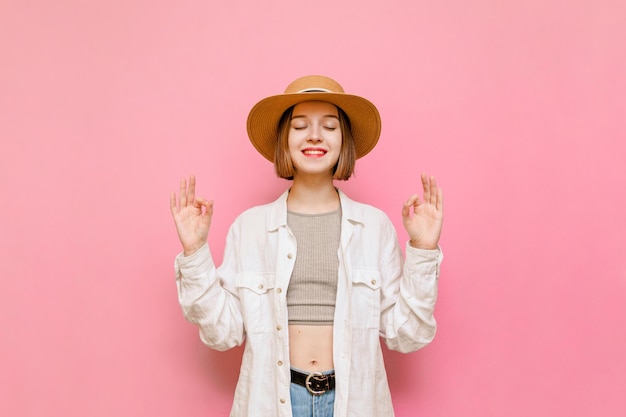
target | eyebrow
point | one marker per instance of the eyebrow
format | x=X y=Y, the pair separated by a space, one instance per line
x=302 y=116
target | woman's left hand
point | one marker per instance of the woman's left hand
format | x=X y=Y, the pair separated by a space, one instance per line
x=424 y=222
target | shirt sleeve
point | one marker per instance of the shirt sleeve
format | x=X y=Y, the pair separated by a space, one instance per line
x=207 y=298
x=408 y=296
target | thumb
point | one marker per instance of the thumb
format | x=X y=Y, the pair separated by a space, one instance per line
x=208 y=205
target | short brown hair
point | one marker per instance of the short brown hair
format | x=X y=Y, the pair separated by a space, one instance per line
x=347 y=155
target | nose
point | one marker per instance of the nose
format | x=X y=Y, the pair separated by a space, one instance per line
x=314 y=134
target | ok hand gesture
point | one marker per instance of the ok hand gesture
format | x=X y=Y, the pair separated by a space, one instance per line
x=424 y=223
x=192 y=221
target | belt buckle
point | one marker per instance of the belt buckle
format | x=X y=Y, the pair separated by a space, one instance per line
x=307 y=382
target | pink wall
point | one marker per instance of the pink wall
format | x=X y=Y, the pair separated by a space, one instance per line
x=516 y=107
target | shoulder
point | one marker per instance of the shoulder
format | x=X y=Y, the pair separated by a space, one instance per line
x=254 y=211
x=252 y=214
x=264 y=215
x=367 y=214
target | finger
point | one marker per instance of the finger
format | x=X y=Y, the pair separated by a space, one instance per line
x=406 y=209
x=439 y=204
x=433 y=191
x=426 y=187
x=191 y=190
x=173 y=203
x=199 y=202
x=182 y=194
x=209 y=211
x=413 y=201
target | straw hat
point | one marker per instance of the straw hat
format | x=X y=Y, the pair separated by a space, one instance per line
x=265 y=115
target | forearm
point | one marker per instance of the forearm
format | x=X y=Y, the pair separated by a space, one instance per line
x=409 y=323
x=206 y=303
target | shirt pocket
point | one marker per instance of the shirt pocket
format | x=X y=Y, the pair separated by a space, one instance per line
x=365 y=298
x=256 y=295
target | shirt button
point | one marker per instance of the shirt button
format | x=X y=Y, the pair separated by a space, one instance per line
x=290 y=255
x=260 y=286
x=373 y=282
x=280 y=363
x=282 y=401
x=279 y=290
x=278 y=327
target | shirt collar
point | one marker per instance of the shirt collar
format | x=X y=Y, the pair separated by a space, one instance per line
x=277 y=215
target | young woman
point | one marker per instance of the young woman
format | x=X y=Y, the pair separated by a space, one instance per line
x=313 y=280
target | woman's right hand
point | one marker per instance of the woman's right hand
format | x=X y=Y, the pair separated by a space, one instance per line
x=192 y=221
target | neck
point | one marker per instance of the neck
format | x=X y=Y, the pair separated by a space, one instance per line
x=312 y=196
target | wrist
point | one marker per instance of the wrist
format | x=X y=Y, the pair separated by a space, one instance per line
x=418 y=245
x=188 y=251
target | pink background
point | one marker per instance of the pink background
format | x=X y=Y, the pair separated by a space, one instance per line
x=518 y=108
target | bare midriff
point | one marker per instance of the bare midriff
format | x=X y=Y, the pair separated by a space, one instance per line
x=311 y=347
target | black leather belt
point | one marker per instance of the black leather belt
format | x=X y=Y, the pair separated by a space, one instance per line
x=316 y=383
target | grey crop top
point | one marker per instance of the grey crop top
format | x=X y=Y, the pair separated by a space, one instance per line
x=312 y=290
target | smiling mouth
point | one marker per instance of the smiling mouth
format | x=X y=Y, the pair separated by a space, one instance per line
x=314 y=152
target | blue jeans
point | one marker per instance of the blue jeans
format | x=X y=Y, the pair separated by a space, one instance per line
x=305 y=404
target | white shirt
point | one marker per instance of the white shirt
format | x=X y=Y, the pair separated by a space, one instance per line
x=379 y=295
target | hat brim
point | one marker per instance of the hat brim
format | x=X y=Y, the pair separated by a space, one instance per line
x=264 y=117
